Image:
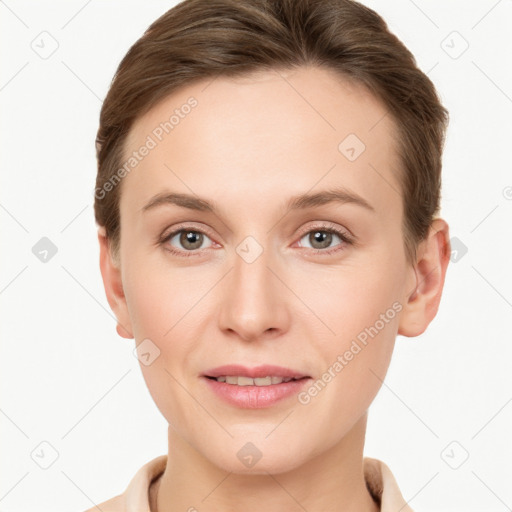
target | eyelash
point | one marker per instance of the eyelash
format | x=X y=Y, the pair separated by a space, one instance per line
x=346 y=239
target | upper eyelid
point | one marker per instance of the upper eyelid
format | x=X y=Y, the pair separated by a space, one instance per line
x=325 y=226
x=174 y=231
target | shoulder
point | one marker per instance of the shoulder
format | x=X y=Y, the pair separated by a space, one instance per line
x=383 y=486
x=136 y=495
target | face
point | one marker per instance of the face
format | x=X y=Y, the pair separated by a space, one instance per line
x=260 y=277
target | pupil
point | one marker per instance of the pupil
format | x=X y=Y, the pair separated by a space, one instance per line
x=192 y=238
x=322 y=237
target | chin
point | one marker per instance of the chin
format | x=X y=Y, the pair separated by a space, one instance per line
x=273 y=467
x=247 y=459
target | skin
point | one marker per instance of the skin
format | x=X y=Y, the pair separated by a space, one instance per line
x=249 y=145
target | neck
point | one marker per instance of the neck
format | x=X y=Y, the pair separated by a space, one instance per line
x=330 y=481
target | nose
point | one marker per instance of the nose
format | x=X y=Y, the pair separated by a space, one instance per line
x=254 y=304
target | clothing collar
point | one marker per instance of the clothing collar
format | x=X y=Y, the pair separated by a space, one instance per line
x=379 y=480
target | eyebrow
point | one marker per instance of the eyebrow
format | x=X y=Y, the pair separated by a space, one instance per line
x=302 y=201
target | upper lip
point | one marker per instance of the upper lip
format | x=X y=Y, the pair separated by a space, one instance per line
x=257 y=371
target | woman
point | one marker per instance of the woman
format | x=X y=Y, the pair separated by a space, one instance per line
x=267 y=197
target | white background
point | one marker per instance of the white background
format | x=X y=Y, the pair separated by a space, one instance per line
x=70 y=381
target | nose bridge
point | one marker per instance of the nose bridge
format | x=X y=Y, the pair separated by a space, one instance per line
x=252 y=303
x=251 y=274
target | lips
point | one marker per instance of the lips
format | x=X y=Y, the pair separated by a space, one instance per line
x=255 y=372
x=249 y=388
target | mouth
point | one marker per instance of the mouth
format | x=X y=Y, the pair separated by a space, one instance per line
x=254 y=388
x=241 y=380
x=261 y=376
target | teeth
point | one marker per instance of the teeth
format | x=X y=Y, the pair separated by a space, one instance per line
x=248 y=381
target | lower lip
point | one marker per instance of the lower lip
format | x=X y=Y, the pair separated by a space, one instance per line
x=255 y=397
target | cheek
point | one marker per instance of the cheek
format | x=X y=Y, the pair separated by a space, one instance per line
x=361 y=309
x=356 y=360
x=159 y=315
x=352 y=299
x=159 y=298
x=163 y=309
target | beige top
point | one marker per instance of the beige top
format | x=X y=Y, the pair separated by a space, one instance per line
x=379 y=480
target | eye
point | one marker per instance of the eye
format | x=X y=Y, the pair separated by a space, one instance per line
x=322 y=237
x=190 y=240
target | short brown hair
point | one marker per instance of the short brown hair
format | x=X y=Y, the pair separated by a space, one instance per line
x=198 y=39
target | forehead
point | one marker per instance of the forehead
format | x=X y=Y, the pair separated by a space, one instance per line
x=257 y=136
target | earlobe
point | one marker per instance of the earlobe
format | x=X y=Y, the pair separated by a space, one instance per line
x=422 y=302
x=112 y=282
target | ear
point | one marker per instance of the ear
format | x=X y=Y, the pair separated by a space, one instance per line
x=422 y=302
x=112 y=282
